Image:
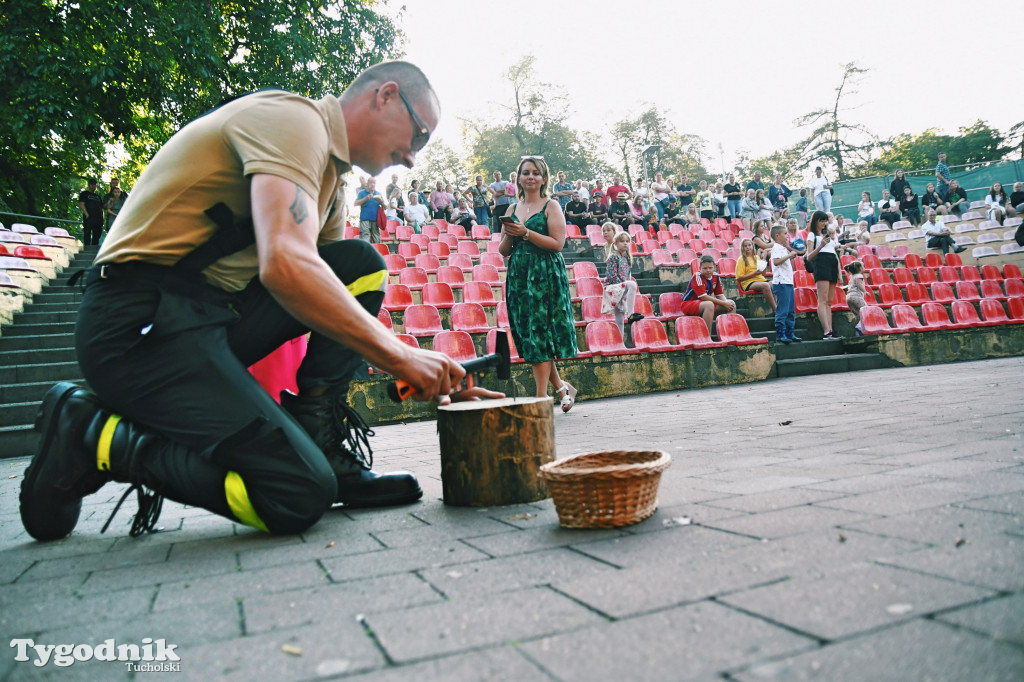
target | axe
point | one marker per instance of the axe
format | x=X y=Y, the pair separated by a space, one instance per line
x=500 y=359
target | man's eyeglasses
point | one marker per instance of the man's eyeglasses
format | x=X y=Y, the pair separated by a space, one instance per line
x=422 y=134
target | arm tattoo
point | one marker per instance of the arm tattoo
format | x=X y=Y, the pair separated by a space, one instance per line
x=298 y=207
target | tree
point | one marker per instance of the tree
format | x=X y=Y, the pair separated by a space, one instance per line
x=782 y=161
x=83 y=76
x=676 y=153
x=832 y=137
x=438 y=161
x=976 y=143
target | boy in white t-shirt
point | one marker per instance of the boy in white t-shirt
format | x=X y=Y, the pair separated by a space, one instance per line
x=782 y=286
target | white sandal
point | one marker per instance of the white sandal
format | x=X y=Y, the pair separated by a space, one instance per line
x=568 y=393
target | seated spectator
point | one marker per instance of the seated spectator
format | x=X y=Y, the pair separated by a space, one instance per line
x=463 y=215
x=866 y=209
x=764 y=207
x=704 y=294
x=778 y=194
x=691 y=216
x=938 y=235
x=888 y=209
x=762 y=238
x=931 y=199
x=721 y=203
x=644 y=195
x=619 y=210
x=801 y=207
x=415 y=187
x=910 y=206
x=749 y=208
x=998 y=204
x=956 y=199
x=394 y=211
x=793 y=237
x=750 y=272
x=1017 y=199
x=852 y=238
x=617 y=271
x=651 y=220
x=598 y=211
x=576 y=211
x=898 y=184
x=416 y=214
x=671 y=211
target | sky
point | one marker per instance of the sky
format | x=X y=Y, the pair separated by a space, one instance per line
x=736 y=73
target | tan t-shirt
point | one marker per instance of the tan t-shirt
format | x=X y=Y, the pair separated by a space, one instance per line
x=211 y=160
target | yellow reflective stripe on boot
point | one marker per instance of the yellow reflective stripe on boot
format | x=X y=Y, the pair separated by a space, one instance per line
x=373 y=282
x=238 y=501
x=106 y=438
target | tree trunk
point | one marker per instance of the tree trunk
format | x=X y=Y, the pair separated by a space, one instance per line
x=491 y=450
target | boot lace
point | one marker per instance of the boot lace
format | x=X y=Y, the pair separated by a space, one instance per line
x=150 y=505
x=347 y=426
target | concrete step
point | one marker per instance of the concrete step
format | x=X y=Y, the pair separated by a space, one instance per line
x=829 y=364
x=58 y=295
x=18 y=414
x=17 y=441
x=24 y=374
x=39 y=356
x=52 y=306
x=24 y=393
x=30 y=316
x=809 y=349
x=28 y=341
x=39 y=329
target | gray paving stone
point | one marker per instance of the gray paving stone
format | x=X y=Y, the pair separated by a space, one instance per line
x=88 y=671
x=11 y=567
x=942 y=526
x=759 y=484
x=51 y=568
x=342 y=545
x=436 y=534
x=154 y=574
x=690 y=642
x=772 y=500
x=918 y=650
x=868 y=484
x=238 y=584
x=683 y=541
x=539 y=539
x=992 y=561
x=900 y=500
x=455 y=626
x=1002 y=618
x=504 y=664
x=326 y=603
x=44 y=614
x=400 y=560
x=858 y=599
x=783 y=522
x=1011 y=503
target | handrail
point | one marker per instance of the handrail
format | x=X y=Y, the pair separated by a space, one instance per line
x=41 y=217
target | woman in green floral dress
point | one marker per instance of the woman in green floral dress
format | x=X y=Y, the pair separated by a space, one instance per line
x=537 y=287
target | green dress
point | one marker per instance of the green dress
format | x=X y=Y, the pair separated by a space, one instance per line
x=538 y=299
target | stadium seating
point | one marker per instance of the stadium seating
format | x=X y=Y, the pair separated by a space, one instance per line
x=456 y=345
x=1014 y=286
x=438 y=294
x=414 y=278
x=967 y=291
x=603 y=338
x=964 y=314
x=904 y=319
x=991 y=289
x=469 y=317
x=397 y=297
x=992 y=311
x=889 y=295
x=427 y=261
x=479 y=292
x=591 y=311
x=452 y=276
x=935 y=317
x=422 y=320
x=385 y=318
x=1015 y=308
x=732 y=328
x=874 y=321
x=806 y=301
x=691 y=332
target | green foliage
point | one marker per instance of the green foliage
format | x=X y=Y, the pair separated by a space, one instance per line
x=783 y=161
x=438 y=161
x=676 y=153
x=972 y=144
x=82 y=77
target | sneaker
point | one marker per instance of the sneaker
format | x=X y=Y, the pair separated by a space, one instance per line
x=342 y=435
x=795 y=339
x=784 y=340
x=961 y=249
x=635 y=317
x=63 y=470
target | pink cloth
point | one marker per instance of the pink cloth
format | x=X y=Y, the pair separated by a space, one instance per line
x=276 y=372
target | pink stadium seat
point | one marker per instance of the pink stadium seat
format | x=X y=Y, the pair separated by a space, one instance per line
x=450 y=239
x=478 y=292
x=732 y=328
x=469 y=248
x=409 y=250
x=1011 y=270
x=991 y=289
x=397 y=297
x=674 y=244
x=992 y=311
x=917 y=294
x=953 y=260
x=408 y=339
x=456 y=345
x=926 y=275
x=492 y=335
x=933 y=260
x=697 y=245
x=889 y=295
x=438 y=294
x=502 y=315
x=967 y=291
x=603 y=338
x=806 y=300
x=942 y=293
x=874 y=321
x=670 y=304
x=643 y=306
x=883 y=252
x=469 y=317
x=457 y=231
x=991 y=272
x=595 y=236
x=964 y=314
x=864 y=251
x=803 y=279
x=483 y=232
x=935 y=316
x=584 y=269
x=902 y=276
x=878 y=277
x=912 y=260
x=591 y=310
x=901 y=252
x=719 y=244
x=430 y=232
x=427 y=261
x=422 y=320
x=662 y=257
x=969 y=273
x=649 y=335
x=420 y=240
x=948 y=274
x=650 y=246
x=588 y=286
x=414 y=278
x=664 y=236
x=382 y=249
x=904 y=318
x=486 y=273
x=871 y=261
x=493 y=259
x=439 y=249
x=385 y=318
x=403 y=233
x=726 y=267
x=452 y=276
x=461 y=260
x=394 y=263
x=685 y=255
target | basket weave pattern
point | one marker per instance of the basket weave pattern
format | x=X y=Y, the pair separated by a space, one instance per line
x=605 y=489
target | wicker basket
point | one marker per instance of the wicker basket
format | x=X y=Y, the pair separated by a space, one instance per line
x=605 y=489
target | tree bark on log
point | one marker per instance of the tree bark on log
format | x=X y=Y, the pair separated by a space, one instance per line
x=491 y=450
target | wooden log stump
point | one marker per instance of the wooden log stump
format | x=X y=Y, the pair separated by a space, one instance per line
x=491 y=450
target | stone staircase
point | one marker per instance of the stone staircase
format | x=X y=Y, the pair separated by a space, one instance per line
x=37 y=350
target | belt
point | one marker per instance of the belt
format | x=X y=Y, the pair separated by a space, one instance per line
x=166 y=277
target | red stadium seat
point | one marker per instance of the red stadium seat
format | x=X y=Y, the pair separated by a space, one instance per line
x=1015 y=306
x=461 y=260
x=726 y=267
x=649 y=335
x=926 y=275
x=420 y=240
x=1011 y=270
x=967 y=291
x=591 y=310
x=588 y=286
x=912 y=260
x=382 y=249
x=991 y=289
x=878 y=276
x=469 y=317
x=457 y=231
x=494 y=259
x=422 y=320
x=439 y=249
x=942 y=293
x=408 y=339
x=643 y=306
x=409 y=250
x=889 y=295
x=902 y=277
x=969 y=273
x=953 y=259
x=438 y=294
x=948 y=274
x=964 y=314
x=806 y=301
x=917 y=294
x=935 y=316
x=670 y=304
x=450 y=239
x=478 y=292
x=933 y=260
x=803 y=280
x=571 y=231
x=414 y=278
x=650 y=246
x=691 y=332
x=492 y=335
x=452 y=276
x=394 y=263
x=839 y=300
x=992 y=311
x=30 y=253
x=486 y=273
x=385 y=318
x=662 y=257
x=470 y=249
x=427 y=261
x=603 y=338
x=501 y=316
x=732 y=329
x=904 y=319
x=456 y=345
x=584 y=268
x=481 y=232
x=1014 y=285
x=871 y=261
x=430 y=232
x=874 y=321
x=991 y=272
x=397 y=297
x=403 y=233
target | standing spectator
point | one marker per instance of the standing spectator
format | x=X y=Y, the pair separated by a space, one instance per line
x=942 y=176
x=598 y=193
x=866 y=209
x=500 y=199
x=909 y=206
x=749 y=208
x=750 y=269
x=478 y=193
x=416 y=214
x=939 y=236
x=643 y=194
x=463 y=215
x=537 y=287
x=92 y=213
x=617 y=188
x=576 y=211
x=684 y=192
x=782 y=287
x=415 y=186
x=756 y=183
x=511 y=189
x=931 y=199
x=956 y=198
x=706 y=201
x=584 y=190
x=113 y=202
x=888 y=208
x=393 y=191
x=821 y=191
x=608 y=231
x=821 y=251
x=720 y=201
x=778 y=194
x=661 y=192
x=764 y=208
x=440 y=202
x=1017 y=198
x=704 y=294
x=369 y=200
x=619 y=210
x=998 y=203
x=733 y=197
x=898 y=183
x=618 y=271
x=801 y=207
x=563 y=190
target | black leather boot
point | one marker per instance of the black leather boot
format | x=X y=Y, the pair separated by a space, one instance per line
x=343 y=437
x=72 y=424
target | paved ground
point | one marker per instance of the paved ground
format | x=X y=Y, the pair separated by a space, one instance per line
x=866 y=526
